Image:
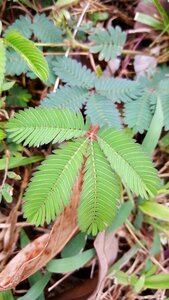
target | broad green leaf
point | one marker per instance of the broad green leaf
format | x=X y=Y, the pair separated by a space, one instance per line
x=148 y=20
x=122 y=278
x=6 y=295
x=151 y=139
x=70 y=264
x=35 y=291
x=139 y=284
x=32 y=55
x=13 y=175
x=7 y=85
x=156 y=210
x=75 y=245
x=7 y=192
x=15 y=162
x=122 y=215
x=156 y=244
x=160 y=281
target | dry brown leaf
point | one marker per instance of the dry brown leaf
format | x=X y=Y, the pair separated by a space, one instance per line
x=35 y=255
x=106 y=248
x=11 y=233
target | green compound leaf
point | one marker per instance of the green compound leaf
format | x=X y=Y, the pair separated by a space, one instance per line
x=72 y=72
x=103 y=112
x=51 y=186
x=100 y=193
x=32 y=55
x=22 y=25
x=108 y=43
x=129 y=162
x=15 y=64
x=66 y=97
x=118 y=89
x=39 y=126
x=45 y=30
x=138 y=114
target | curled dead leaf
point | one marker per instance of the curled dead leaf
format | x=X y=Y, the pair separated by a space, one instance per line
x=36 y=255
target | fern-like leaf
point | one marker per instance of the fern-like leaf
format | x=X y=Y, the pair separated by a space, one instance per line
x=22 y=25
x=100 y=193
x=38 y=126
x=72 y=72
x=32 y=55
x=118 y=89
x=51 y=186
x=66 y=97
x=129 y=162
x=2 y=62
x=45 y=30
x=163 y=94
x=108 y=43
x=102 y=111
x=15 y=64
x=138 y=114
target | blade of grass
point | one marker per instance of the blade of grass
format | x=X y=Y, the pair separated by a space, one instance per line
x=70 y=264
x=151 y=139
x=163 y=13
x=155 y=210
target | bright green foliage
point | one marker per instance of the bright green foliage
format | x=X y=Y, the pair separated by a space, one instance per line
x=15 y=64
x=118 y=89
x=2 y=62
x=51 y=186
x=102 y=111
x=72 y=72
x=139 y=112
x=32 y=55
x=22 y=25
x=45 y=30
x=129 y=162
x=41 y=126
x=108 y=43
x=18 y=96
x=101 y=190
x=66 y=97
